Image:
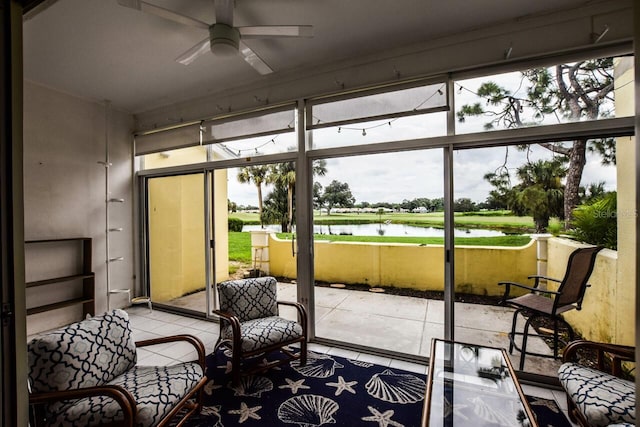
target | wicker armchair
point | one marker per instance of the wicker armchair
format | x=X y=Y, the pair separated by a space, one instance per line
x=597 y=396
x=85 y=374
x=250 y=323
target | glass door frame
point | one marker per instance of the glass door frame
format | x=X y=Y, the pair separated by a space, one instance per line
x=208 y=169
x=305 y=155
x=144 y=177
x=623 y=126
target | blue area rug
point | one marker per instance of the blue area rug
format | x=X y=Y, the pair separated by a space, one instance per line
x=329 y=390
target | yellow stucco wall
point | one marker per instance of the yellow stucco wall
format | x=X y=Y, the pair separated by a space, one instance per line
x=607 y=312
x=176 y=227
x=478 y=269
x=604 y=302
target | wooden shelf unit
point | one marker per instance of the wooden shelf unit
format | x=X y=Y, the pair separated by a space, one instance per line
x=86 y=275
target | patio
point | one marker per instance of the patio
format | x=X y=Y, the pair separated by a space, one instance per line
x=400 y=323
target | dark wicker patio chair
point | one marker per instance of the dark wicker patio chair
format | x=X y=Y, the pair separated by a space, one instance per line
x=250 y=324
x=551 y=304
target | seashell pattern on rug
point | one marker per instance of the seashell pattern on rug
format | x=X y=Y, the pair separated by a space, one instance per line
x=252 y=386
x=360 y=363
x=318 y=366
x=396 y=388
x=308 y=410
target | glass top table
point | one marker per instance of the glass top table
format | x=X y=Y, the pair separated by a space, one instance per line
x=473 y=385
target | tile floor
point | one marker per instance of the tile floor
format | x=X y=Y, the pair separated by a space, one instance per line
x=149 y=324
x=401 y=324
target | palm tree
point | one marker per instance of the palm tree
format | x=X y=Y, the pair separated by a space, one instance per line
x=257 y=175
x=540 y=192
x=284 y=175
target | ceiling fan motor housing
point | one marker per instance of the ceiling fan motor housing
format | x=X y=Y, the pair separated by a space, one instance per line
x=225 y=40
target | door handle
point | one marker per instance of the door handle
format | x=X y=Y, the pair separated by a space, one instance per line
x=293 y=241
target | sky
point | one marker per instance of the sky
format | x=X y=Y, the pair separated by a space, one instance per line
x=393 y=177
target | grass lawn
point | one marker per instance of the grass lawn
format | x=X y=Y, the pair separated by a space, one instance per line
x=240 y=246
x=488 y=220
x=240 y=242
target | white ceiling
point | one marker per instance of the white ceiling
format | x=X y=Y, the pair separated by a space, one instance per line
x=99 y=50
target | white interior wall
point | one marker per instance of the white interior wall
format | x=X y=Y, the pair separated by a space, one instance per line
x=64 y=190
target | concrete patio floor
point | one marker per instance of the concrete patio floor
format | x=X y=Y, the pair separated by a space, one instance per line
x=402 y=324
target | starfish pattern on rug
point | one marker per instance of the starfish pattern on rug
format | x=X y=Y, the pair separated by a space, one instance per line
x=227 y=368
x=210 y=386
x=295 y=385
x=382 y=418
x=245 y=412
x=343 y=385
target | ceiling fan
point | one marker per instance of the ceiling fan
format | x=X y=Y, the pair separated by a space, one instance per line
x=224 y=39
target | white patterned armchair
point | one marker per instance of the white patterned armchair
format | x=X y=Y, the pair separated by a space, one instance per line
x=598 y=396
x=250 y=323
x=85 y=374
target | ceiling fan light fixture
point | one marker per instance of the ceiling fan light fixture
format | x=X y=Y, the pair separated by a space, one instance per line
x=225 y=40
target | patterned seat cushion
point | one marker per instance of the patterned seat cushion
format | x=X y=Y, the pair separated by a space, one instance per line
x=249 y=299
x=155 y=389
x=603 y=398
x=260 y=333
x=84 y=354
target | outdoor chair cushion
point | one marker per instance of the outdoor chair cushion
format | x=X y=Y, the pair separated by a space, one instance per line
x=93 y=352
x=156 y=391
x=604 y=399
x=249 y=299
x=260 y=333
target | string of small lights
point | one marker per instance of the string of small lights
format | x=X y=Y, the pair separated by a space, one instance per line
x=439 y=91
x=364 y=130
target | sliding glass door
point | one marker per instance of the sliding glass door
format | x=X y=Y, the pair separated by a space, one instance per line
x=378 y=238
x=176 y=239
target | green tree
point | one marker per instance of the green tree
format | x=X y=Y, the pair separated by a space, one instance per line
x=283 y=177
x=592 y=192
x=275 y=208
x=464 y=205
x=257 y=175
x=540 y=192
x=581 y=90
x=317 y=196
x=338 y=194
x=594 y=222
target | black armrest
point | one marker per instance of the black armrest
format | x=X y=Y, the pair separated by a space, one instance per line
x=618 y=353
x=235 y=325
x=118 y=393
x=538 y=277
x=533 y=289
x=302 y=313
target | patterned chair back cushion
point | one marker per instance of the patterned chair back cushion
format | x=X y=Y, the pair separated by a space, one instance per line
x=84 y=354
x=249 y=299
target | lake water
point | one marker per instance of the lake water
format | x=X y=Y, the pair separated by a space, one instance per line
x=386 y=230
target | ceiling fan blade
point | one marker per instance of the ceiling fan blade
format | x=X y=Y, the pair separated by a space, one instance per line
x=224 y=12
x=163 y=13
x=266 y=31
x=192 y=54
x=254 y=60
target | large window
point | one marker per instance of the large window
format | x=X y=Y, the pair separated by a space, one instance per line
x=411 y=113
x=411 y=209
x=562 y=93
